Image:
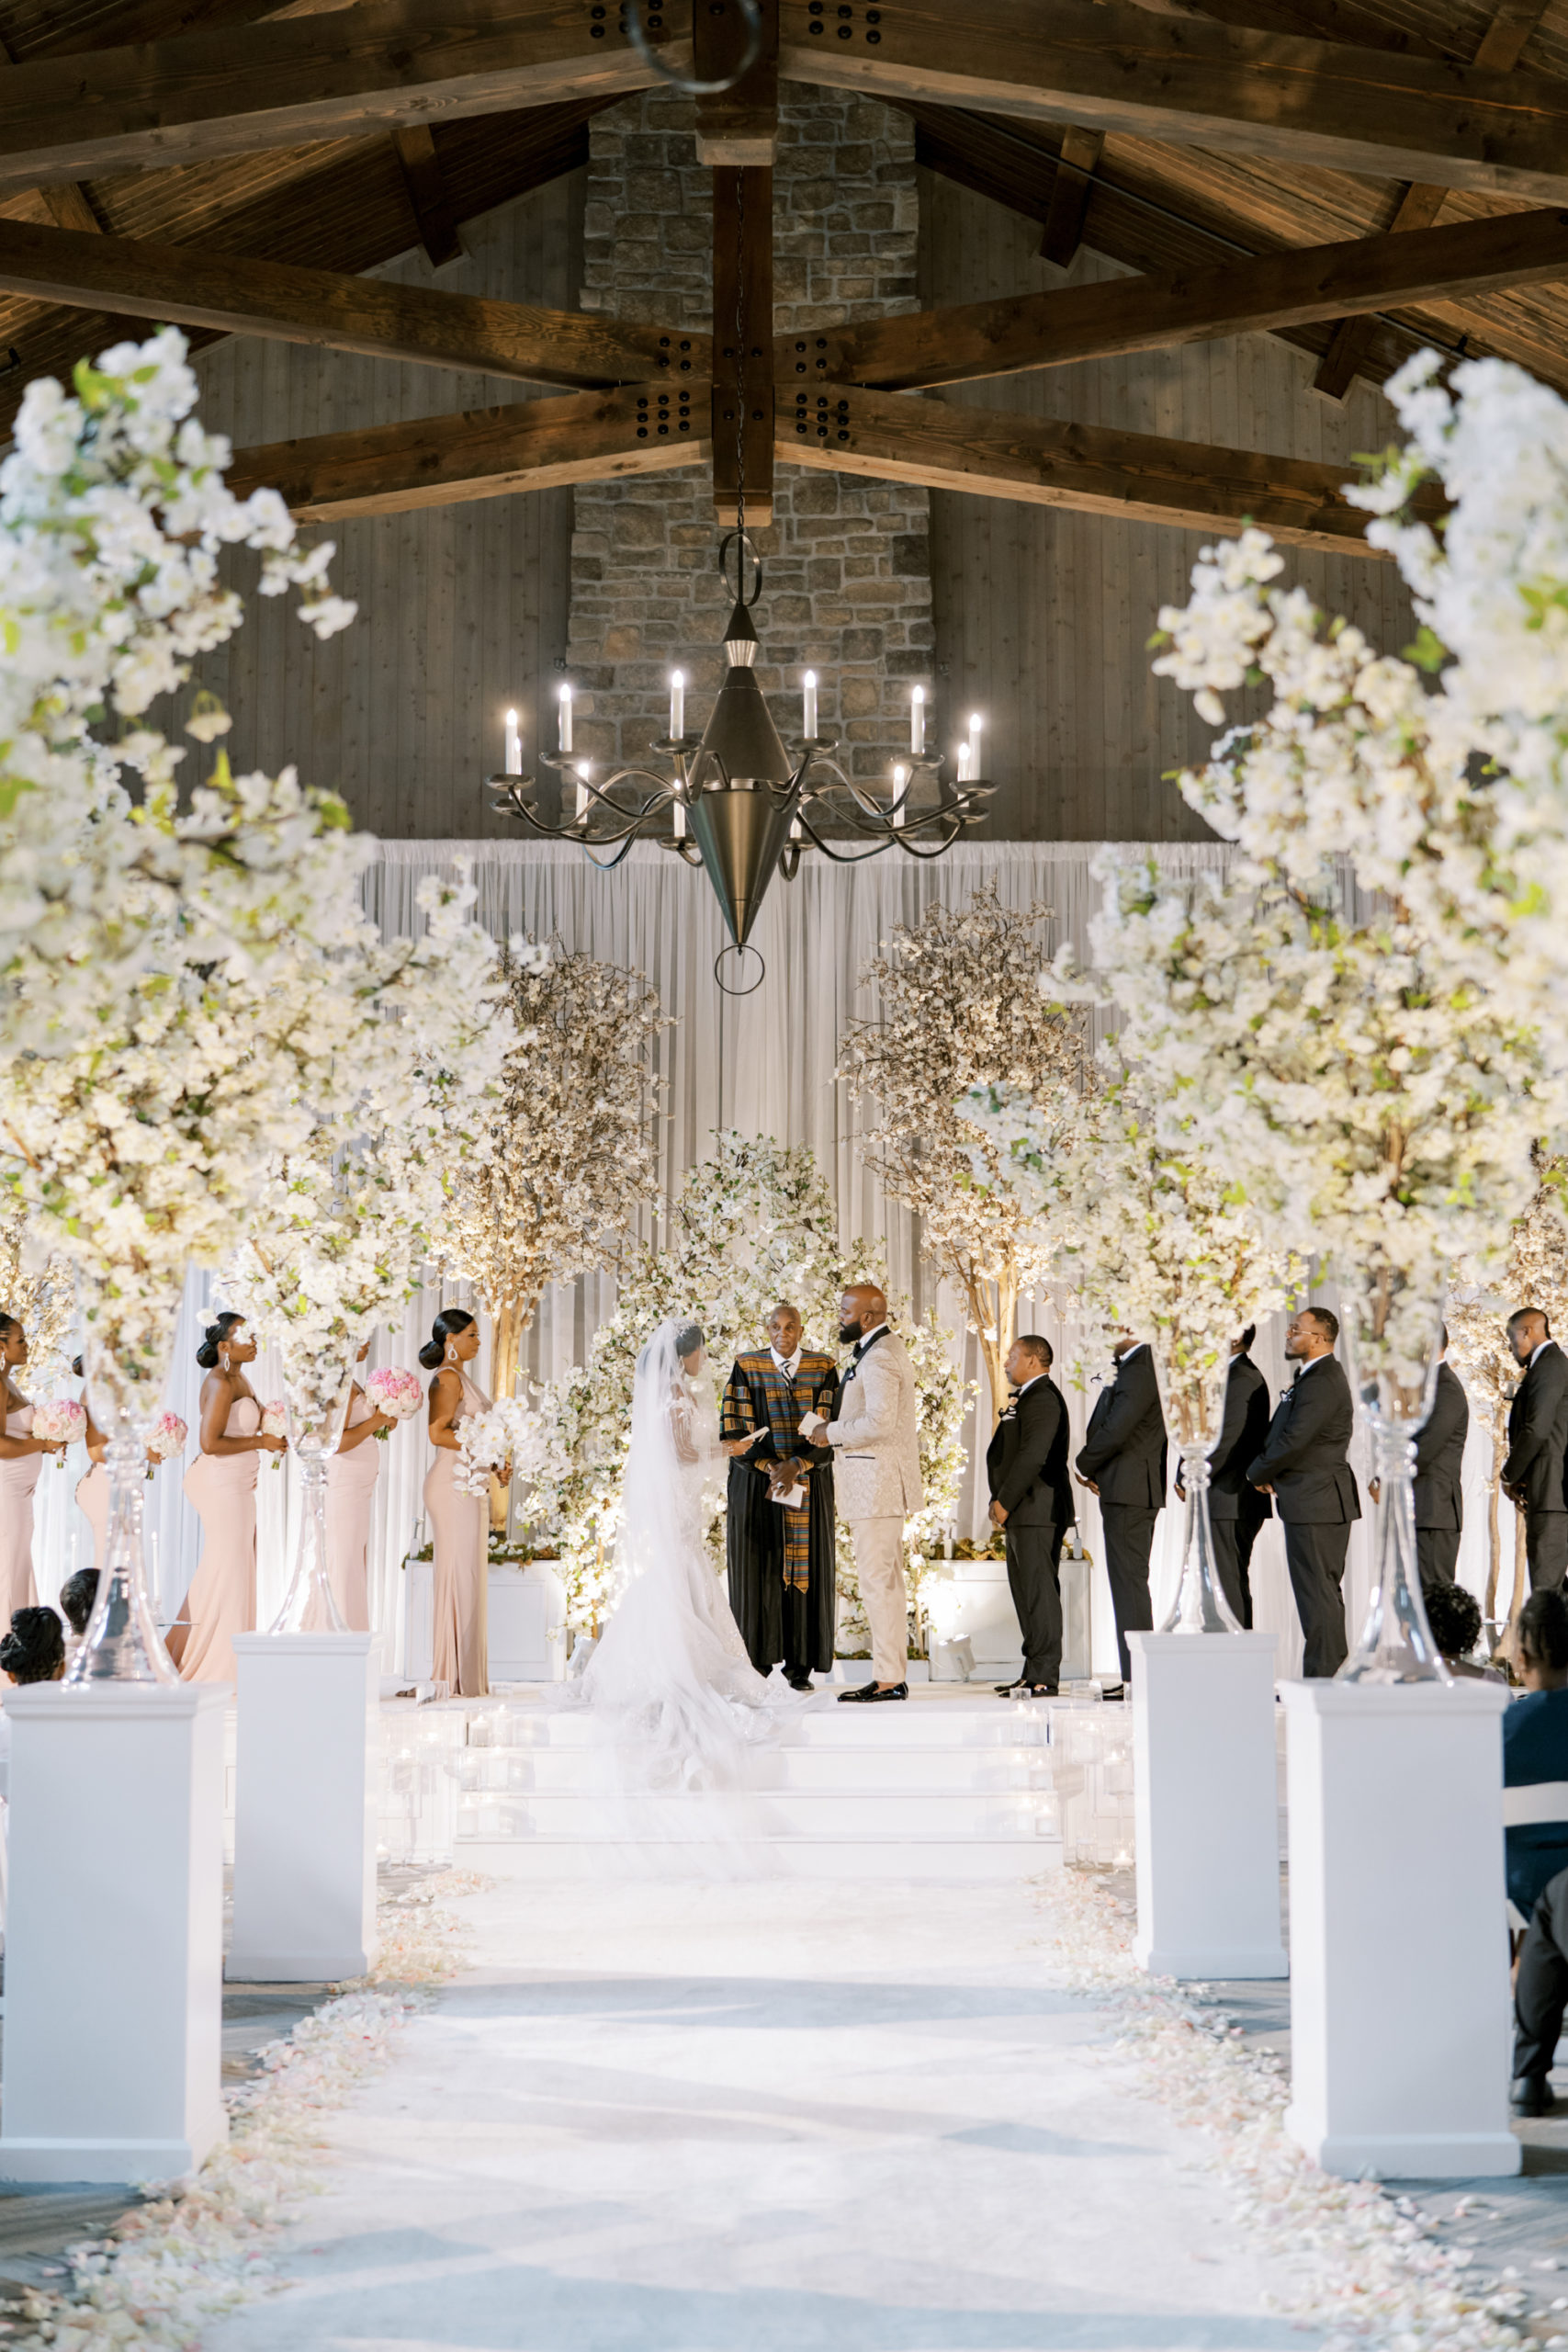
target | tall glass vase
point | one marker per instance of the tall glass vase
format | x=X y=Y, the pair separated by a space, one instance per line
x=1396 y=1641
x=1197 y=1405
x=318 y=1398
x=125 y=1390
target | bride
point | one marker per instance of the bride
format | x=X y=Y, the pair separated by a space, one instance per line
x=671 y=1668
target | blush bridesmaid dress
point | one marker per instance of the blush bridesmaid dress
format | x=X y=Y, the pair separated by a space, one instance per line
x=222 y=1601
x=460 y=1528
x=17 y=1479
x=350 y=1490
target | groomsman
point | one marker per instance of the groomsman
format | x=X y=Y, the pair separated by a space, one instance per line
x=1537 y=1440
x=1439 y=1495
x=1236 y=1510
x=1122 y=1460
x=1031 y=1501
x=1303 y=1467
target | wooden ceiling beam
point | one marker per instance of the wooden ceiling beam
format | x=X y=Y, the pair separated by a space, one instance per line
x=1107 y=66
x=234 y=296
x=738 y=127
x=291 y=81
x=421 y=168
x=485 y=453
x=743 y=361
x=893 y=437
x=1501 y=45
x=1123 y=314
x=1081 y=152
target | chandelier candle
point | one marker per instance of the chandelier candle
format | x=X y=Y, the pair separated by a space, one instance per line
x=566 y=719
x=808 y=717
x=917 y=722
x=900 y=783
x=677 y=705
x=581 y=790
x=514 y=745
x=974 y=766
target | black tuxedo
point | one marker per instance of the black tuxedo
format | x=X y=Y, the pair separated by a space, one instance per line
x=1236 y=1510
x=1305 y=1460
x=1026 y=1464
x=1124 y=1454
x=1439 y=1498
x=1538 y=1440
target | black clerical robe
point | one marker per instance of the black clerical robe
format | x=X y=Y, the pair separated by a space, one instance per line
x=783 y=1585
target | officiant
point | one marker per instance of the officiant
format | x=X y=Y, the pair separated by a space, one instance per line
x=780 y=1531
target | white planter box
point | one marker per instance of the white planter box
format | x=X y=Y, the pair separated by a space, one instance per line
x=307 y=1786
x=1207 y=1847
x=1400 y=2009
x=114 y=1945
x=524 y=1605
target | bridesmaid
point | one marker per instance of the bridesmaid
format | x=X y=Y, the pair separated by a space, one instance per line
x=459 y=1524
x=92 y=1486
x=21 y=1459
x=351 y=1486
x=221 y=1483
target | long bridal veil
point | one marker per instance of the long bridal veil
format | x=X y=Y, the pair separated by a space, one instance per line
x=671 y=1669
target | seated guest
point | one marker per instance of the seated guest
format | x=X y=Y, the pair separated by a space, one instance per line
x=1453 y=1614
x=1534 y=1749
x=34 y=1649
x=1541 y=1997
x=77 y=1595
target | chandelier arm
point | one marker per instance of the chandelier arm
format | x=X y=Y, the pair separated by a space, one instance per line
x=837 y=857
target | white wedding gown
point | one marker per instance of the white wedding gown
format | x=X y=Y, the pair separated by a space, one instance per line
x=669 y=1678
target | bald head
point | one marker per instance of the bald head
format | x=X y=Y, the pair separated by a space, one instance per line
x=862 y=1307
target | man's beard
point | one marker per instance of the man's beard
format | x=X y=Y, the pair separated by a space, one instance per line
x=847 y=1334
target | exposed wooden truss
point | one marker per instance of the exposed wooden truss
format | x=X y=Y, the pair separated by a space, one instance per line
x=484 y=453
x=240 y=296
x=1096 y=322
x=1107 y=66
x=536 y=445
x=245 y=88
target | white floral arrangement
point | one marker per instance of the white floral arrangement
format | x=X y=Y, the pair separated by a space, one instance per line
x=752 y=1223
x=397 y=1394
x=61 y=1421
x=167 y=1436
x=505 y=1439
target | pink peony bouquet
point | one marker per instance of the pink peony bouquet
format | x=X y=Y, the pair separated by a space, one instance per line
x=59 y=1422
x=274 y=1424
x=167 y=1438
x=397 y=1394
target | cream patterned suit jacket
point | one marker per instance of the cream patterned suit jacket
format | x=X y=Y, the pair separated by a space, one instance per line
x=876 y=1440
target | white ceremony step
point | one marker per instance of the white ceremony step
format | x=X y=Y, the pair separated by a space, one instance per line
x=955 y=1860
x=804 y=1813
x=898 y=1768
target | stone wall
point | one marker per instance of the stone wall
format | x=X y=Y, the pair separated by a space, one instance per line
x=847 y=590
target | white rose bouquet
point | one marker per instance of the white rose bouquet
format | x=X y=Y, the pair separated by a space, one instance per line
x=509 y=1438
x=59 y=1422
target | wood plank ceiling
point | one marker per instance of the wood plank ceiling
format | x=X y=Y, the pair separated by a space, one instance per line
x=1280 y=124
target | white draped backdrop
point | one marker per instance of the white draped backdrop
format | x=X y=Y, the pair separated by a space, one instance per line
x=763 y=1064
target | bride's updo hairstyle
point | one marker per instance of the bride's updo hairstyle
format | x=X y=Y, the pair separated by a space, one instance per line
x=446 y=1326
x=213 y=1339
x=689 y=1338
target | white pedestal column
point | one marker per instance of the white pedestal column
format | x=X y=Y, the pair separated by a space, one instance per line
x=1207 y=1856
x=1399 y=1946
x=305 y=1806
x=114 y=1934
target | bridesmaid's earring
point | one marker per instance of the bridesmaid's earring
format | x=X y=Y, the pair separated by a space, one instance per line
x=451 y=1355
x=225 y=1363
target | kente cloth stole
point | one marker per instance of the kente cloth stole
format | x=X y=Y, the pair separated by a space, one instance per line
x=758 y=1395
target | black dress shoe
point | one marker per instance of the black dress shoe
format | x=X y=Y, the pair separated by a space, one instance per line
x=1114 y=1690
x=1531 y=2095
x=867 y=1694
x=798 y=1681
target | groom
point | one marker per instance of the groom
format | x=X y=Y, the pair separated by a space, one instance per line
x=876 y=1438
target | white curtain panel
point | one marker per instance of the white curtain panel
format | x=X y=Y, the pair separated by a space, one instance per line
x=763 y=1064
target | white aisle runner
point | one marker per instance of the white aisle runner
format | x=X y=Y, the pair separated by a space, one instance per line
x=760 y=2118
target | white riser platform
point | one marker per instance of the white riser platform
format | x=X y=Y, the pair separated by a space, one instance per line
x=942 y=1789
x=897 y=1771
x=854 y=1859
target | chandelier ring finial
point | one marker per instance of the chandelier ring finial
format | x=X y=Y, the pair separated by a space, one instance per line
x=747 y=549
x=751 y=17
x=740 y=953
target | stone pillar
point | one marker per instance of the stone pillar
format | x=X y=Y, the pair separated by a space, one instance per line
x=848 y=562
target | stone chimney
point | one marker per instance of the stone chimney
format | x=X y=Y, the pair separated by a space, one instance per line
x=847 y=562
